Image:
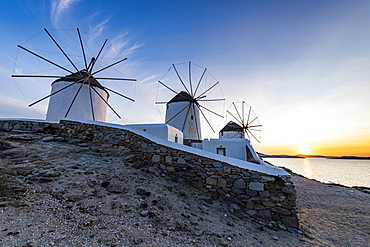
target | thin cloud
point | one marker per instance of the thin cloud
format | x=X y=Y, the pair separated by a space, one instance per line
x=58 y=7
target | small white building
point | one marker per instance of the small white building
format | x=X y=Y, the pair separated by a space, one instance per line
x=231 y=143
x=235 y=148
x=78 y=101
x=163 y=131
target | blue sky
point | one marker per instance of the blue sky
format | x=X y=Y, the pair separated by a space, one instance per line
x=302 y=65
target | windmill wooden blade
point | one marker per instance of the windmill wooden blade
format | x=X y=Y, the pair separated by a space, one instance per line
x=82 y=47
x=191 y=87
x=37 y=55
x=167 y=87
x=119 y=94
x=249 y=113
x=160 y=102
x=200 y=80
x=73 y=100
x=178 y=75
x=259 y=125
x=106 y=102
x=236 y=119
x=91 y=101
x=253 y=135
x=208 y=90
x=60 y=48
x=41 y=76
x=196 y=125
x=93 y=63
x=252 y=121
x=206 y=119
x=240 y=117
x=114 y=79
x=109 y=66
x=52 y=94
x=211 y=100
x=177 y=114
x=186 y=116
x=211 y=111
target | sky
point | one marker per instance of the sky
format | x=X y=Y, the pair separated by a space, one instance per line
x=303 y=66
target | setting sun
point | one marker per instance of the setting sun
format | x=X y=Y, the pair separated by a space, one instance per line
x=304 y=149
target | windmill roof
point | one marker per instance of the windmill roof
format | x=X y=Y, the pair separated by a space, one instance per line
x=79 y=76
x=231 y=126
x=182 y=96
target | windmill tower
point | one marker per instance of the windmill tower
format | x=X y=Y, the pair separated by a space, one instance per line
x=246 y=123
x=78 y=94
x=184 y=111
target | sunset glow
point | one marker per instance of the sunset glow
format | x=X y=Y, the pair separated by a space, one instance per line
x=304 y=149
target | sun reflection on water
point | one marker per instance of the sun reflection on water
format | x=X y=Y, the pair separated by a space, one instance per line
x=307 y=168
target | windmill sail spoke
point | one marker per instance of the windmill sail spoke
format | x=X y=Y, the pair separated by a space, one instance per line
x=93 y=63
x=241 y=118
x=119 y=94
x=60 y=48
x=211 y=111
x=37 y=55
x=211 y=100
x=161 y=102
x=246 y=131
x=206 y=119
x=111 y=78
x=236 y=119
x=259 y=125
x=167 y=87
x=52 y=94
x=208 y=90
x=91 y=101
x=178 y=75
x=82 y=47
x=73 y=100
x=109 y=66
x=191 y=86
x=254 y=129
x=249 y=113
x=106 y=102
x=200 y=80
x=252 y=121
x=253 y=135
x=40 y=76
x=177 y=114
x=196 y=125
x=186 y=116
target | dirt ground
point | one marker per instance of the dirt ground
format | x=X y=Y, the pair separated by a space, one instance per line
x=57 y=193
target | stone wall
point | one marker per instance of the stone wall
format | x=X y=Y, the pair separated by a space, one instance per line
x=267 y=197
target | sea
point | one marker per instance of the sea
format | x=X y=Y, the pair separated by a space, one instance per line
x=348 y=172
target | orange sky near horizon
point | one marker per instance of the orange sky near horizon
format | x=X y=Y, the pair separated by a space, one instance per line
x=326 y=148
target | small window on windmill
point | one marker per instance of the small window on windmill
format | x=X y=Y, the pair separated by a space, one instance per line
x=191 y=117
x=221 y=151
x=176 y=138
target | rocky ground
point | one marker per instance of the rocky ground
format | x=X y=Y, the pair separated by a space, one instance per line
x=58 y=193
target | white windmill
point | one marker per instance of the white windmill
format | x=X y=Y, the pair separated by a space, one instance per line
x=78 y=94
x=185 y=110
x=245 y=123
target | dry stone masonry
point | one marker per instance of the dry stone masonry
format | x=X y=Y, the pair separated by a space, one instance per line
x=267 y=197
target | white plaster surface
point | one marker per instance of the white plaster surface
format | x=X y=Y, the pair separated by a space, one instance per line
x=183 y=121
x=81 y=109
